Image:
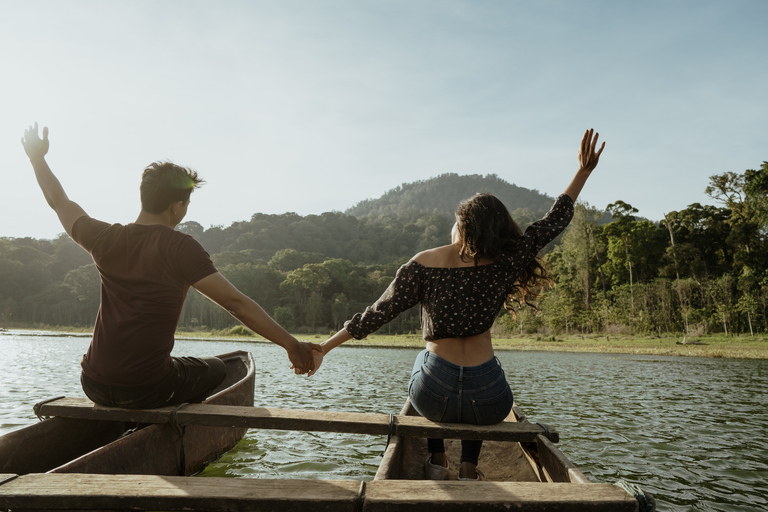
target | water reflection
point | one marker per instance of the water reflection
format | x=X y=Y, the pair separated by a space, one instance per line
x=688 y=430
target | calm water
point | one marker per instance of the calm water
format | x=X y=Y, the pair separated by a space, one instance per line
x=690 y=431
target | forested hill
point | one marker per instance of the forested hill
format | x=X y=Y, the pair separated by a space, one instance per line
x=402 y=222
x=441 y=195
x=703 y=269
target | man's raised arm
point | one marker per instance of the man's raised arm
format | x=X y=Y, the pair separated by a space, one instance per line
x=36 y=149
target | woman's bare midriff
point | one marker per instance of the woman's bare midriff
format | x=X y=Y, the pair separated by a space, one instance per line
x=467 y=351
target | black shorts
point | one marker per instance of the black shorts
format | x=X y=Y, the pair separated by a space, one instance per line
x=191 y=379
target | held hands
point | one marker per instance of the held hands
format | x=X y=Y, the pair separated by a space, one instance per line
x=34 y=146
x=587 y=157
x=302 y=358
x=317 y=355
x=317 y=360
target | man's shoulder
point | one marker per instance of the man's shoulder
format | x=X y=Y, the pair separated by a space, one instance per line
x=191 y=257
x=182 y=238
x=88 y=221
x=186 y=246
x=86 y=230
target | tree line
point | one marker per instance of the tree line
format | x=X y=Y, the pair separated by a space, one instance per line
x=700 y=270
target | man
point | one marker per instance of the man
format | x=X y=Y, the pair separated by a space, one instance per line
x=146 y=269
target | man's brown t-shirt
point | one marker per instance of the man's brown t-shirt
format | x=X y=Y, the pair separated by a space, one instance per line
x=146 y=272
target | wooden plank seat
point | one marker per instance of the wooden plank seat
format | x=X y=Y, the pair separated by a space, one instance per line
x=294 y=419
x=147 y=492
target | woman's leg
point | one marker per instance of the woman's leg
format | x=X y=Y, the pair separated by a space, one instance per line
x=429 y=398
x=436 y=448
x=487 y=399
x=470 y=453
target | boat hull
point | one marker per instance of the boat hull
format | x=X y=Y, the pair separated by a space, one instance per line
x=500 y=461
x=63 y=445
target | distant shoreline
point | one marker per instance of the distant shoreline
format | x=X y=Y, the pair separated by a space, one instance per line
x=715 y=346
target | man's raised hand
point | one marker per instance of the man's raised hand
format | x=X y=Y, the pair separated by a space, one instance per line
x=34 y=146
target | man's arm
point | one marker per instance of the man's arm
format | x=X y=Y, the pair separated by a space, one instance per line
x=36 y=149
x=222 y=292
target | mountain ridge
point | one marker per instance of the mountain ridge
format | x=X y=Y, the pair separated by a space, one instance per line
x=443 y=193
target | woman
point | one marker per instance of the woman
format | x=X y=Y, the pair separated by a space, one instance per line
x=462 y=287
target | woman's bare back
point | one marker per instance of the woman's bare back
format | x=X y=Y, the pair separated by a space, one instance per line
x=468 y=350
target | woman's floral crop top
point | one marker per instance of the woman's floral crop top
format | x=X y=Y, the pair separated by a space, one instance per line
x=460 y=301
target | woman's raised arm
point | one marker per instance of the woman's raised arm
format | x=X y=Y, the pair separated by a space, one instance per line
x=588 y=159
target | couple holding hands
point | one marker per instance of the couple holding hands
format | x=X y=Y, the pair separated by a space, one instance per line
x=147 y=267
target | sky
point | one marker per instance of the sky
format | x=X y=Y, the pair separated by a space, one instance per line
x=312 y=106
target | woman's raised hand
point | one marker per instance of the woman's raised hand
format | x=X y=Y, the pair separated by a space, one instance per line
x=588 y=158
x=587 y=162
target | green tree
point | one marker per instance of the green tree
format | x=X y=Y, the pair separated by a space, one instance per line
x=756 y=191
x=314 y=310
x=285 y=317
x=85 y=284
x=339 y=310
x=258 y=282
x=701 y=236
x=286 y=260
x=618 y=233
x=301 y=283
x=744 y=196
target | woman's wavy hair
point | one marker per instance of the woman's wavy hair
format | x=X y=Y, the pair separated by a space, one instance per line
x=487 y=230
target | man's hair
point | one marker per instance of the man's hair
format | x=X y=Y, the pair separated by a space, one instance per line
x=164 y=183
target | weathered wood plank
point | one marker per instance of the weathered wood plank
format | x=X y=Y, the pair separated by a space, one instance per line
x=146 y=492
x=450 y=496
x=5 y=477
x=294 y=419
x=415 y=426
x=557 y=465
x=392 y=458
x=83 y=408
x=83 y=492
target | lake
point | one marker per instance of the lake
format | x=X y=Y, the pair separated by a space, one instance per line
x=688 y=430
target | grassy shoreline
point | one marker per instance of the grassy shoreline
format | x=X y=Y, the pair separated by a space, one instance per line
x=716 y=346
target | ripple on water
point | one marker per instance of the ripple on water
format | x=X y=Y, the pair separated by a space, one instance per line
x=687 y=430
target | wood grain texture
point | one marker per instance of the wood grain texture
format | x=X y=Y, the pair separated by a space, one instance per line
x=556 y=464
x=449 y=496
x=45 y=445
x=143 y=492
x=147 y=492
x=294 y=419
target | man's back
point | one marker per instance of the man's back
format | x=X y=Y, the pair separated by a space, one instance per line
x=146 y=271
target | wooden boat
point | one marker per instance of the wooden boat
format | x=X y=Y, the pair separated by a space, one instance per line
x=501 y=461
x=66 y=445
x=531 y=475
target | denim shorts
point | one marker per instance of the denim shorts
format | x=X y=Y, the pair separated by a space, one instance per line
x=442 y=391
